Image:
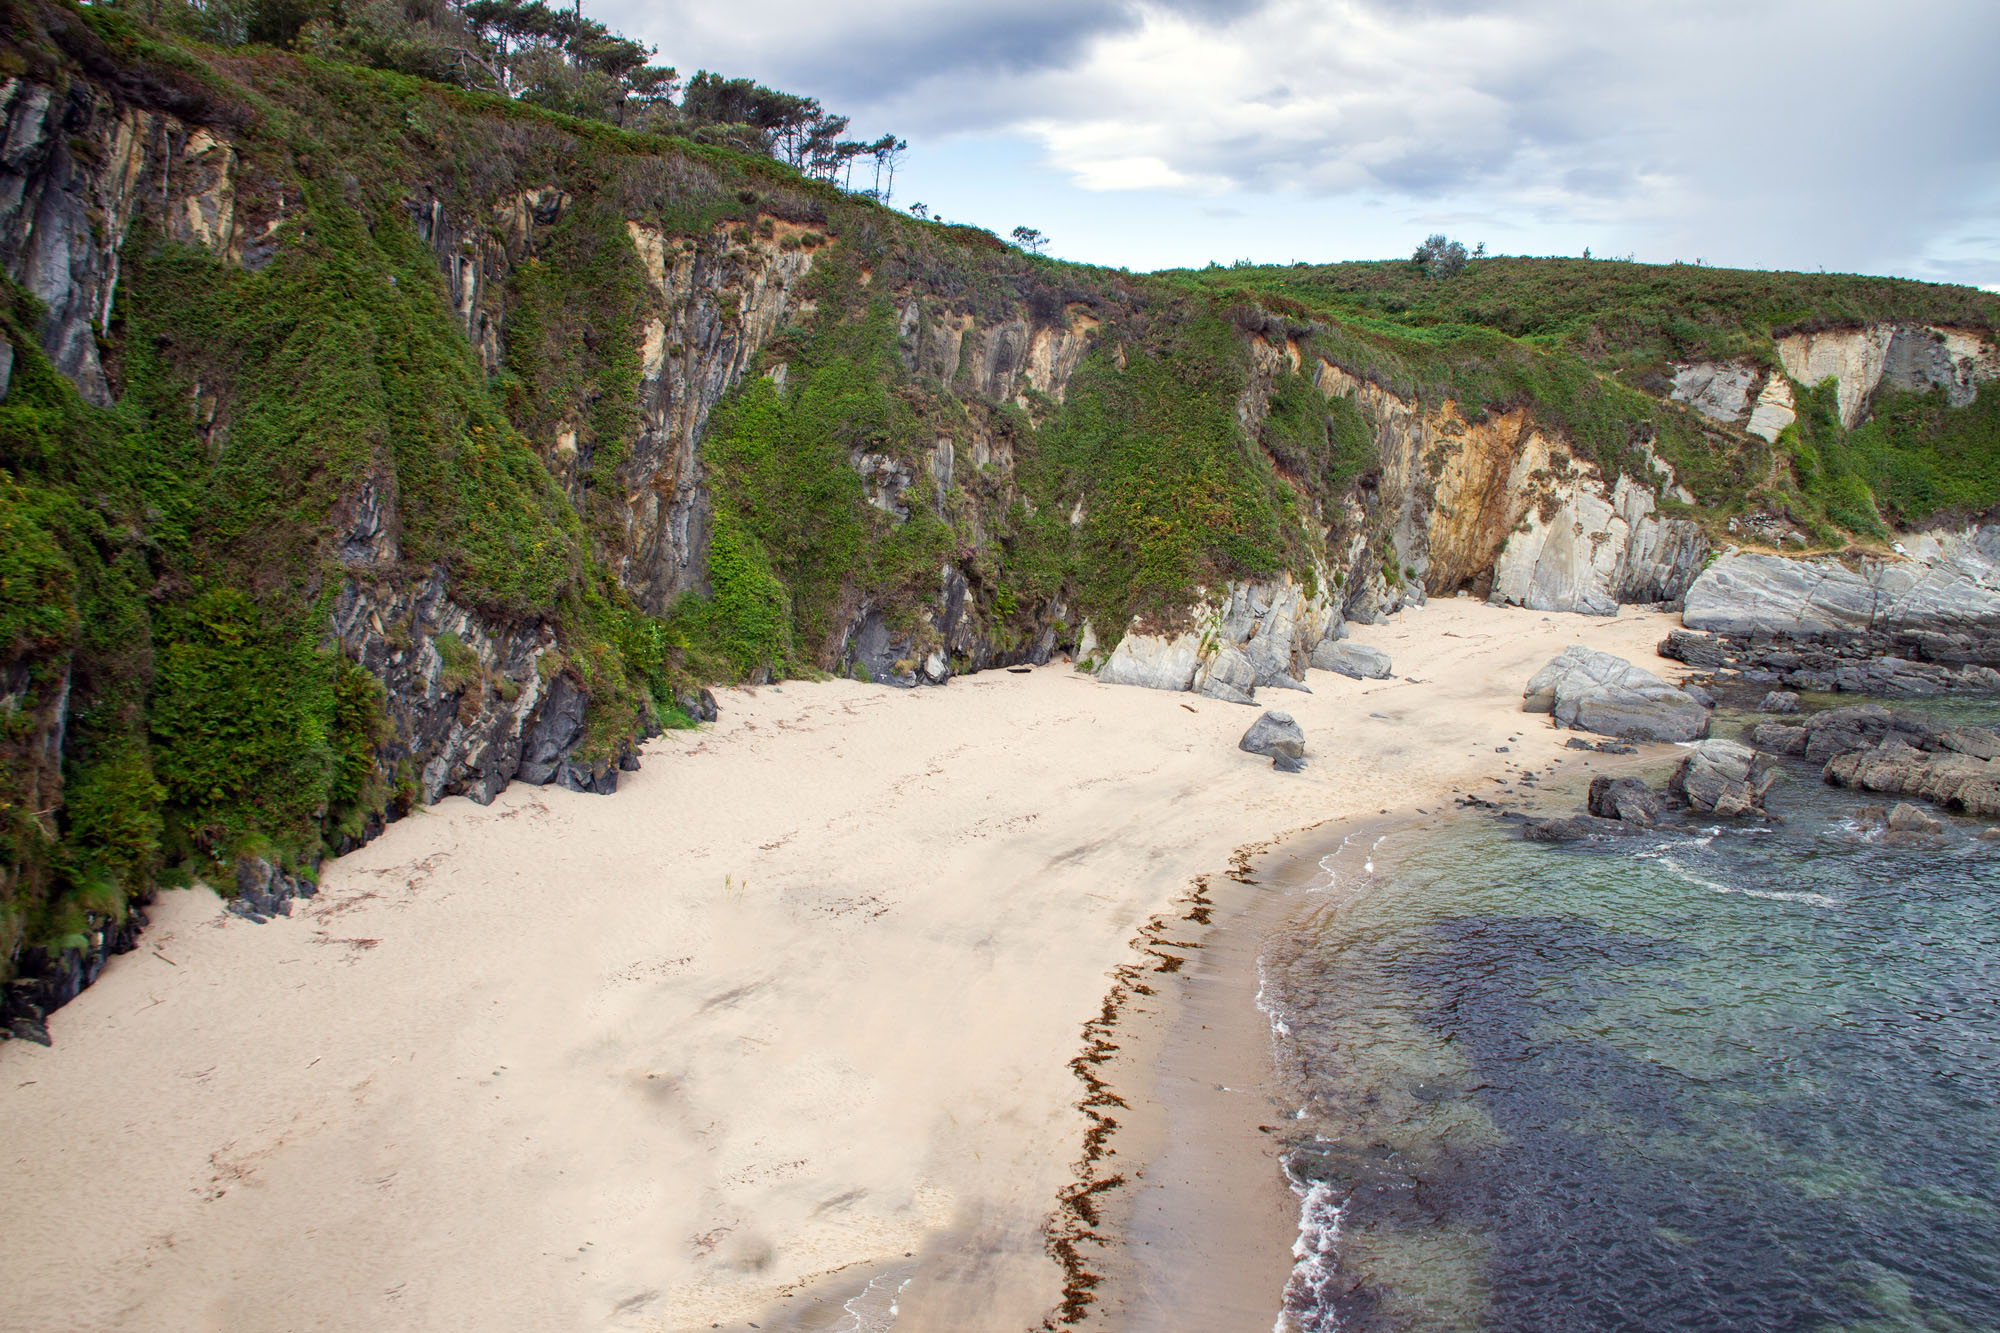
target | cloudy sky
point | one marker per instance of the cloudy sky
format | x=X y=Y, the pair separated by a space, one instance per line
x=1805 y=134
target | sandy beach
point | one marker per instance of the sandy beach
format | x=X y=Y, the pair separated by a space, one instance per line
x=779 y=1032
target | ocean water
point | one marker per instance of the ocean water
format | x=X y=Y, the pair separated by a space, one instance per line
x=1742 y=1080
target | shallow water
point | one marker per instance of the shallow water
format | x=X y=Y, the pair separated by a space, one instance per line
x=1748 y=1079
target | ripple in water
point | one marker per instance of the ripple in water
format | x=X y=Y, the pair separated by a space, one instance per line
x=1745 y=1081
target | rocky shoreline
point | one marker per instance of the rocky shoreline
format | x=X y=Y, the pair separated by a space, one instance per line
x=1866 y=747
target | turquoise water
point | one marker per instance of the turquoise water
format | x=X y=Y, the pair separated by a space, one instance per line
x=1746 y=1079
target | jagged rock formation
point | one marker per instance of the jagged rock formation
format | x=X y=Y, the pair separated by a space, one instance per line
x=1901 y=356
x=1594 y=553
x=1948 y=584
x=1259 y=635
x=1871 y=748
x=1721 y=777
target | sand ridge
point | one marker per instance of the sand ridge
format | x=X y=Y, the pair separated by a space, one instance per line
x=800 y=999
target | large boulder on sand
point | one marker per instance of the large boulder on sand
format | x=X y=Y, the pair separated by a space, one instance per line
x=1276 y=735
x=1352 y=659
x=1588 y=690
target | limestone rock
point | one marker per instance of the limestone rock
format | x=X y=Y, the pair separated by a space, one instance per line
x=1257 y=635
x=1275 y=734
x=1352 y=659
x=1587 y=690
x=1719 y=390
x=1778 y=701
x=1720 y=777
x=1950 y=583
x=1598 y=551
x=1775 y=410
x=1153 y=662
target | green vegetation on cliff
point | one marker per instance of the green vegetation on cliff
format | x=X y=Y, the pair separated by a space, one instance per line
x=304 y=423
x=1626 y=318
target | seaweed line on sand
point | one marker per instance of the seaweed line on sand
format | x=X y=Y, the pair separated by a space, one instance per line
x=1073 y=1226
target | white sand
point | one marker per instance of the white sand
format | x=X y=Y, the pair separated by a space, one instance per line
x=799 y=998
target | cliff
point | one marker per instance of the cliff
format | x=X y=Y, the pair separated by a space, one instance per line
x=367 y=442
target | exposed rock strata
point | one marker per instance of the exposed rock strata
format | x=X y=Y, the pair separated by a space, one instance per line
x=1922 y=625
x=1949 y=583
x=1721 y=777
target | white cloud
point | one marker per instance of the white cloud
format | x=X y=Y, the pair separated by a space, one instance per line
x=1800 y=133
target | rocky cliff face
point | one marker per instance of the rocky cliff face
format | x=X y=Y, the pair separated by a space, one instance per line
x=1908 y=357
x=75 y=169
x=538 y=426
x=1947 y=583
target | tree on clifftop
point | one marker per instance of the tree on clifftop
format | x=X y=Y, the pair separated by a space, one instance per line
x=1440 y=257
x=1030 y=239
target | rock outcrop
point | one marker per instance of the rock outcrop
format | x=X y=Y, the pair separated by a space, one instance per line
x=1721 y=777
x=1625 y=799
x=1259 y=634
x=1922 y=624
x=1910 y=357
x=1587 y=690
x=1872 y=748
x=1595 y=552
x=1948 y=584
x=1957 y=781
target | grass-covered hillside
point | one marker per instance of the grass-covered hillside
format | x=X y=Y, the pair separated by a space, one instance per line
x=1912 y=461
x=1633 y=320
x=433 y=432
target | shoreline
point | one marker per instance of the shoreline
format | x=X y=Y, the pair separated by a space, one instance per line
x=1200 y=1233
x=816 y=975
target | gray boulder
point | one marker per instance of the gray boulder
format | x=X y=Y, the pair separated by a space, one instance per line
x=1778 y=701
x=1777 y=738
x=1627 y=800
x=1352 y=659
x=1720 y=777
x=1576 y=828
x=1587 y=690
x=1275 y=734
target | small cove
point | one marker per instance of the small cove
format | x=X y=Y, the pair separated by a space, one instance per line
x=1740 y=1079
